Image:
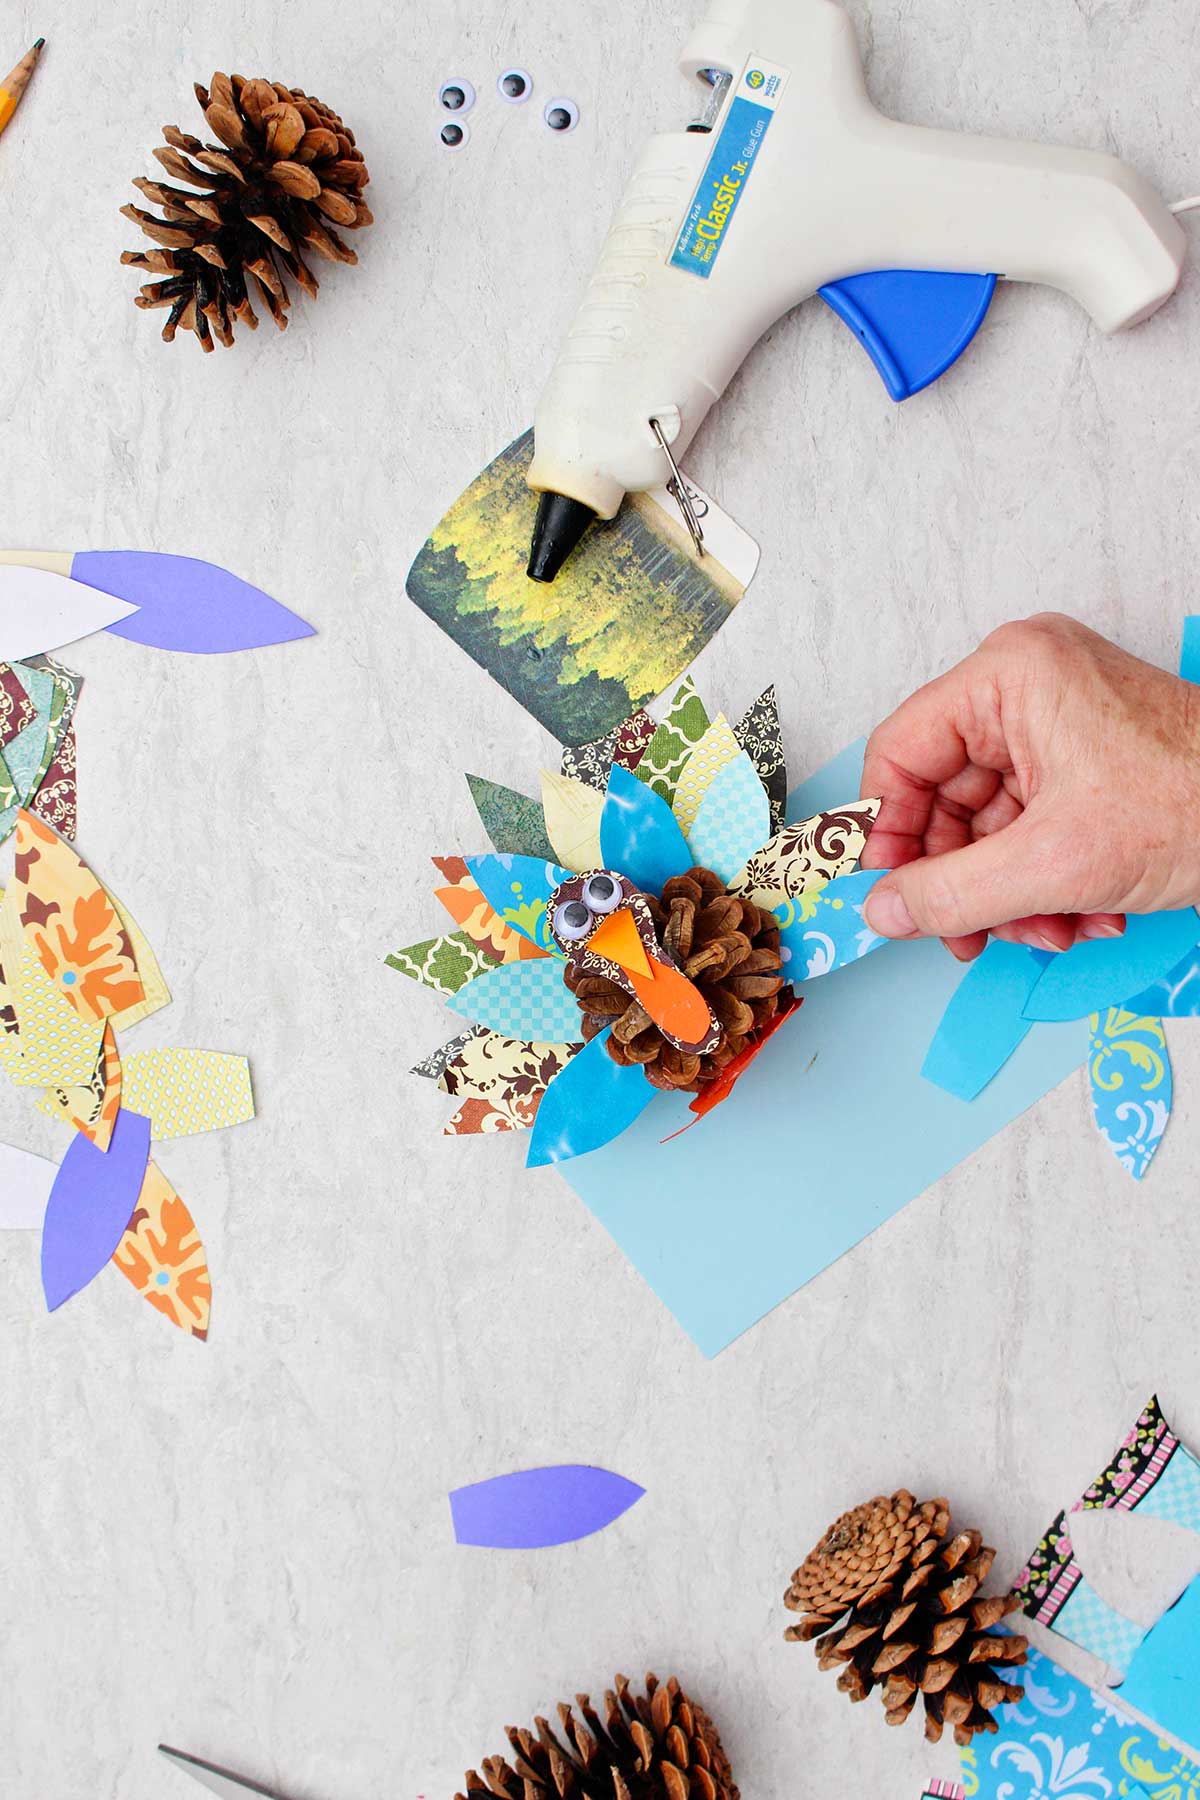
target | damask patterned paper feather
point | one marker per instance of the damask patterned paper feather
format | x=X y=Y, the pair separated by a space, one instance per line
x=1129 y=1068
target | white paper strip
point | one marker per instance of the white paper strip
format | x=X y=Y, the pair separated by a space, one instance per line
x=40 y=611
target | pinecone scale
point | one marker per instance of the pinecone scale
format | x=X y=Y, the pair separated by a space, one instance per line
x=918 y=1625
x=284 y=173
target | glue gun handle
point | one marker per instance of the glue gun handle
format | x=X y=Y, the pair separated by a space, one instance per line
x=1076 y=220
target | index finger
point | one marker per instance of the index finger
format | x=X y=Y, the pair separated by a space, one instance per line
x=909 y=757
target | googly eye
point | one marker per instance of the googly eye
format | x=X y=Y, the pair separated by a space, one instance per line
x=572 y=921
x=453 y=135
x=514 y=85
x=560 y=115
x=603 y=894
x=456 y=95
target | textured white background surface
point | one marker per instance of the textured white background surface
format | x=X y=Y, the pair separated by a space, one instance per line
x=244 y=1547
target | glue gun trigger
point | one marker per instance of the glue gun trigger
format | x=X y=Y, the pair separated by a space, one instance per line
x=913 y=323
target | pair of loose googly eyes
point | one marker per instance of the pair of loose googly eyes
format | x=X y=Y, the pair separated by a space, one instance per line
x=575 y=919
x=514 y=86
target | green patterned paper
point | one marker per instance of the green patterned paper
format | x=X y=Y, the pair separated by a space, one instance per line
x=514 y=823
x=672 y=744
x=444 y=964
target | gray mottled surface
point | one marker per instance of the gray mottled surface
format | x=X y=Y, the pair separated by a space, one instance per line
x=244 y=1548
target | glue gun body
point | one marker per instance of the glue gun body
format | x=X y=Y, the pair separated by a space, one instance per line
x=801 y=187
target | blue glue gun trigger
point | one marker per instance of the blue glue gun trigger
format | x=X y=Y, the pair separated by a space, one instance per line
x=913 y=322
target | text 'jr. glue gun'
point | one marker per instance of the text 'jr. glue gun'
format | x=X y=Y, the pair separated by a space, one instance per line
x=792 y=185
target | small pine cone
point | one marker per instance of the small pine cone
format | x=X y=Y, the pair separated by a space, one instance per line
x=653 y=1746
x=917 y=1623
x=285 y=172
x=728 y=946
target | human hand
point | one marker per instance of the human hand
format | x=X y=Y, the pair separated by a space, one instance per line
x=1042 y=789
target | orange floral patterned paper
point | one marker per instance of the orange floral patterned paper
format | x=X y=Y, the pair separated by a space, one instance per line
x=162 y=1255
x=92 y=1108
x=464 y=901
x=72 y=924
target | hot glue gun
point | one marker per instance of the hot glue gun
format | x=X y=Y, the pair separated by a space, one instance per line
x=792 y=184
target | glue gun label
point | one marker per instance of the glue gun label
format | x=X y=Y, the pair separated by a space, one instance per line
x=755 y=99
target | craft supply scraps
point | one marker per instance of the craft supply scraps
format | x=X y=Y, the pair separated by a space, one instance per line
x=74 y=968
x=37 y=743
x=944 y=1790
x=659 y=954
x=14 y=84
x=538 y=1507
x=1065 y=1740
x=658 y=1745
x=152 y=597
x=894 y=1604
x=628 y=614
x=284 y=174
x=1151 y=1474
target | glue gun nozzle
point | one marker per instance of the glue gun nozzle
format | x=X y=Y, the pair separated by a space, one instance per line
x=560 y=524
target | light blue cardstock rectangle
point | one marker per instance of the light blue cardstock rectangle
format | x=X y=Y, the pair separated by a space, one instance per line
x=730 y=1219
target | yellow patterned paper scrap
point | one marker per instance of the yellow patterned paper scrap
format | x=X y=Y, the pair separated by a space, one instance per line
x=56 y=1048
x=185 y=1091
x=717 y=747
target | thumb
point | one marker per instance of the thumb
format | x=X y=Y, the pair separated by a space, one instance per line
x=1003 y=877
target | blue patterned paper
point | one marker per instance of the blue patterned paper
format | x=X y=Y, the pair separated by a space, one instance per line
x=1087 y=1619
x=1062 y=1741
x=1102 y=972
x=1129 y=1068
x=1175 y=996
x=639 y=834
x=588 y=1104
x=518 y=887
x=828 y=929
x=526 y=1000
x=1162 y=1683
x=733 y=821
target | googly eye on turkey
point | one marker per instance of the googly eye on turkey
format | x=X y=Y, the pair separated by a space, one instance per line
x=603 y=893
x=572 y=921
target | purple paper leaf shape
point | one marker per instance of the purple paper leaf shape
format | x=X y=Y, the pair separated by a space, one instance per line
x=92 y=1201
x=534 y=1508
x=186 y=604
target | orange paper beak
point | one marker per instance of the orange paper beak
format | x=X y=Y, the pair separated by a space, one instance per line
x=676 y=1006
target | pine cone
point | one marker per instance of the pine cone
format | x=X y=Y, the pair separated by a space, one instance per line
x=728 y=946
x=285 y=168
x=648 y=1746
x=917 y=1624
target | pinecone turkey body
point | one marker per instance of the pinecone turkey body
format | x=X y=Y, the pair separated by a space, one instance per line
x=285 y=173
x=917 y=1624
x=654 y=1746
x=728 y=947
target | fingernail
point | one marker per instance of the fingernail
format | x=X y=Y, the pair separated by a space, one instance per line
x=1037 y=940
x=1094 y=929
x=888 y=916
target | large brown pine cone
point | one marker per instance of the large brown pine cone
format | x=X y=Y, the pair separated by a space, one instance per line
x=647 y=1747
x=285 y=172
x=728 y=946
x=917 y=1624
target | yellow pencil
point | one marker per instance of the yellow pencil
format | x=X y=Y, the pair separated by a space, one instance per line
x=14 y=85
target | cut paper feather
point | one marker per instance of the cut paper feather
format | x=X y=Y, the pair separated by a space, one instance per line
x=91 y=1203
x=673 y=741
x=631 y=610
x=828 y=930
x=625 y=744
x=717 y=747
x=806 y=855
x=985 y=1021
x=1129 y=1068
x=25 y=1184
x=517 y=889
x=42 y=611
x=572 y=811
x=1161 y=1681
x=72 y=925
x=161 y=1254
x=592 y=1101
x=510 y=1075
x=639 y=835
x=92 y=1107
x=515 y=824
x=524 y=1000
x=186 y=1091
x=444 y=964
x=47 y=1043
x=1101 y=973
x=760 y=735
x=433 y=1067
x=464 y=900
x=536 y=1508
x=733 y=819
x=1175 y=995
